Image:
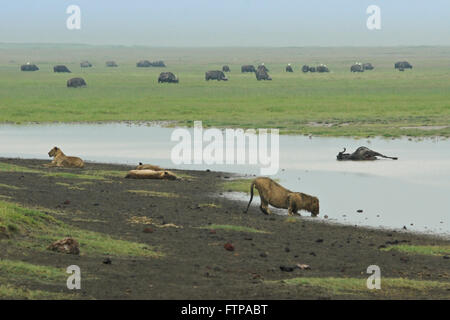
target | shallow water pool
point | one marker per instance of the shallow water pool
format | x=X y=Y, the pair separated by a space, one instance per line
x=412 y=191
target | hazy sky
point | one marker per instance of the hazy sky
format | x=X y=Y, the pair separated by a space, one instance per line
x=228 y=22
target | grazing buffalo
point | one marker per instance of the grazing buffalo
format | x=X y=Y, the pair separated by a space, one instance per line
x=147 y=64
x=61 y=68
x=357 y=67
x=289 y=68
x=29 y=67
x=312 y=69
x=111 y=64
x=263 y=67
x=144 y=64
x=362 y=153
x=248 y=68
x=368 y=66
x=76 y=82
x=159 y=64
x=261 y=73
x=322 y=68
x=305 y=68
x=215 y=75
x=168 y=77
x=85 y=64
x=402 y=65
x=226 y=69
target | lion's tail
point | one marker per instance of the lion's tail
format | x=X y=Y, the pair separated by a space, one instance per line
x=251 y=195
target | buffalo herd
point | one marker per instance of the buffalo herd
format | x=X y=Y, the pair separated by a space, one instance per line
x=215 y=75
x=261 y=71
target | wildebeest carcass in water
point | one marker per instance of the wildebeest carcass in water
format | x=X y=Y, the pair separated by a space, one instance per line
x=61 y=68
x=168 y=77
x=215 y=75
x=76 y=82
x=29 y=67
x=362 y=153
x=226 y=69
x=261 y=73
x=289 y=68
x=248 y=68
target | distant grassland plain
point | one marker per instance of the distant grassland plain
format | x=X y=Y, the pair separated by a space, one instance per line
x=382 y=102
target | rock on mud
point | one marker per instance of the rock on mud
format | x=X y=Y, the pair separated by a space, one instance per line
x=66 y=245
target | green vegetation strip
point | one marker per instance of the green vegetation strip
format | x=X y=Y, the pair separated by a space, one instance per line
x=13 y=292
x=42 y=229
x=228 y=227
x=155 y=193
x=18 y=270
x=7 y=186
x=389 y=286
x=420 y=249
x=238 y=185
x=83 y=175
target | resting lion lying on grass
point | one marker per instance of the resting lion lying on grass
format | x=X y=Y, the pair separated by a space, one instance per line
x=274 y=194
x=149 y=167
x=61 y=160
x=151 y=174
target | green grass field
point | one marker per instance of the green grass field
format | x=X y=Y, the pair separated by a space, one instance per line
x=382 y=102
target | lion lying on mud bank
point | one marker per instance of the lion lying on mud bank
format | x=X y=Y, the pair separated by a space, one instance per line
x=274 y=194
x=151 y=174
x=148 y=167
x=61 y=160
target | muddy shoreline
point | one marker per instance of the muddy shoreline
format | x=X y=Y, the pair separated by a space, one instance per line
x=195 y=264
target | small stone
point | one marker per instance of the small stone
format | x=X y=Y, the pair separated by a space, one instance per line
x=228 y=246
x=286 y=269
x=148 y=230
x=303 y=266
x=66 y=245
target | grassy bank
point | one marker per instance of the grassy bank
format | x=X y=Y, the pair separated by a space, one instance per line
x=381 y=102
